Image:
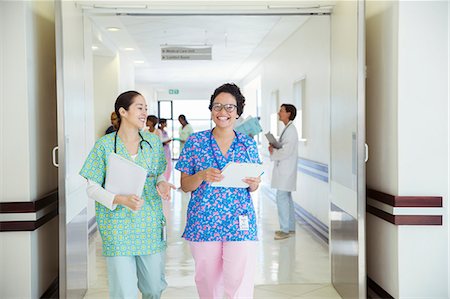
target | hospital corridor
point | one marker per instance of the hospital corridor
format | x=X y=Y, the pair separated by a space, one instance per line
x=333 y=117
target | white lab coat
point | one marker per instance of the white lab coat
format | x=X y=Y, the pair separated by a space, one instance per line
x=284 y=174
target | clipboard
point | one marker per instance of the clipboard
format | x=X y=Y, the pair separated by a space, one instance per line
x=272 y=141
x=124 y=177
x=234 y=173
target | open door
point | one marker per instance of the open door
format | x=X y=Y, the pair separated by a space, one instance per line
x=72 y=144
x=347 y=157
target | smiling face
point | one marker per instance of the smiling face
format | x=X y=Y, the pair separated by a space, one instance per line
x=226 y=116
x=136 y=115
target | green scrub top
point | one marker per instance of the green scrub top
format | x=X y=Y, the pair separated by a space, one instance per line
x=124 y=232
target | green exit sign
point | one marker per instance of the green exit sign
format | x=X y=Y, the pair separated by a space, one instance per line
x=174 y=91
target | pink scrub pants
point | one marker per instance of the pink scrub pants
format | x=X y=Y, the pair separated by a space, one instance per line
x=224 y=267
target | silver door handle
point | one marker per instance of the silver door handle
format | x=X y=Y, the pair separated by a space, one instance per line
x=366 y=153
x=56 y=164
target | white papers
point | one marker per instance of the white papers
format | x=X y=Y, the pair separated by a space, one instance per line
x=234 y=173
x=272 y=141
x=124 y=177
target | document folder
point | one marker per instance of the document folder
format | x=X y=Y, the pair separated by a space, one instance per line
x=234 y=173
x=124 y=177
x=272 y=141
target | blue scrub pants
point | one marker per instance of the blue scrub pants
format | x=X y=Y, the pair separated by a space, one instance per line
x=286 y=215
x=127 y=274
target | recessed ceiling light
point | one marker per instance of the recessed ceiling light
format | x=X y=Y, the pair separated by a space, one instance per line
x=128 y=49
x=139 y=61
x=94 y=48
x=113 y=29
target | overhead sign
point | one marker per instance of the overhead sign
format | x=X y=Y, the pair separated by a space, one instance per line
x=186 y=53
x=174 y=91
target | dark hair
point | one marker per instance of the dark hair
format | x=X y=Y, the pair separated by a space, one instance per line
x=291 y=109
x=124 y=100
x=183 y=117
x=232 y=89
x=153 y=119
x=162 y=121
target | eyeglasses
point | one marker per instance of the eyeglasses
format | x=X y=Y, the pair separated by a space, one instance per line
x=228 y=107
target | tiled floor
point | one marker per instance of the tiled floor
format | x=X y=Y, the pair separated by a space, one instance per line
x=297 y=267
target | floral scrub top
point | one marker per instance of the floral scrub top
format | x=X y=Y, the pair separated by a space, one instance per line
x=213 y=212
x=124 y=232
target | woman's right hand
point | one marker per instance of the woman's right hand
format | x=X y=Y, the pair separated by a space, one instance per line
x=133 y=202
x=211 y=175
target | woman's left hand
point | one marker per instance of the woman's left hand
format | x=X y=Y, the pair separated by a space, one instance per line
x=163 y=189
x=253 y=183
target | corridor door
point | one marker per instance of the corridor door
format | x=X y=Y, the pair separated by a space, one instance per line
x=347 y=155
x=73 y=142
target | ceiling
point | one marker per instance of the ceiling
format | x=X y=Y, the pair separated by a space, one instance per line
x=239 y=41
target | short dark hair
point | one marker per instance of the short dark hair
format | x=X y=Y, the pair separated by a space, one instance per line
x=232 y=89
x=162 y=121
x=153 y=119
x=291 y=109
x=124 y=100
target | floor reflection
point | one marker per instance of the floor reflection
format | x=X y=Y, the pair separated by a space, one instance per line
x=297 y=267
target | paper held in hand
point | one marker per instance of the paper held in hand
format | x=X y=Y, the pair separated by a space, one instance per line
x=234 y=173
x=272 y=141
x=124 y=177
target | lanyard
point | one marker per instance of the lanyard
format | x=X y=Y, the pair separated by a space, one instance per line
x=233 y=148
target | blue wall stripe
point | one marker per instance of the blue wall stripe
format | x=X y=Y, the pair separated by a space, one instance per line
x=314 y=174
x=313 y=164
x=319 y=228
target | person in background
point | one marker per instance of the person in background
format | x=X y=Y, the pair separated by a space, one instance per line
x=131 y=225
x=114 y=123
x=221 y=221
x=166 y=143
x=284 y=174
x=152 y=122
x=184 y=131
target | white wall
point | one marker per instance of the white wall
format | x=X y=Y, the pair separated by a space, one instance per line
x=106 y=89
x=408 y=137
x=423 y=126
x=15 y=159
x=28 y=260
x=292 y=60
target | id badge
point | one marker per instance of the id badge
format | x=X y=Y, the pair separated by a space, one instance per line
x=164 y=233
x=243 y=222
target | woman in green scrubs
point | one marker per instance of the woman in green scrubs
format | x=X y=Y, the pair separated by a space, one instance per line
x=132 y=226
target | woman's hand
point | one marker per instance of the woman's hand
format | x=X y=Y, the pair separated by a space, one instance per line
x=211 y=175
x=253 y=183
x=133 y=202
x=163 y=189
x=270 y=148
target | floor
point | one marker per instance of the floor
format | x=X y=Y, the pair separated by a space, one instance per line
x=297 y=267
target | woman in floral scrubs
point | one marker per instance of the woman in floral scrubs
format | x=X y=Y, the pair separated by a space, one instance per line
x=221 y=222
x=131 y=225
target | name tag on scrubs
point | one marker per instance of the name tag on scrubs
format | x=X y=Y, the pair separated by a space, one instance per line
x=243 y=222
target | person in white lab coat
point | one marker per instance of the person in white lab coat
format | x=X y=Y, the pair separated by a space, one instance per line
x=284 y=174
